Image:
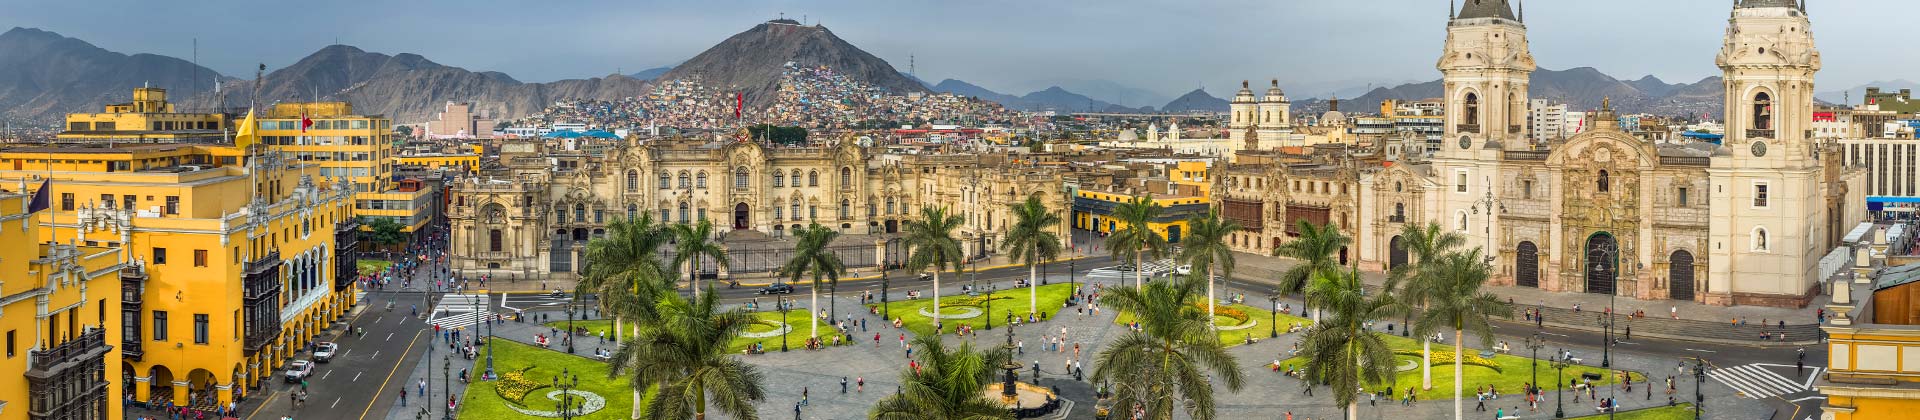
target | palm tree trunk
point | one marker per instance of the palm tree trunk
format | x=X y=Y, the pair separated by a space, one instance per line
x=1426 y=369
x=1033 y=289
x=700 y=402
x=813 y=328
x=1210 y=298
x=1353 y=410
x=693 y=276
x=1458 y=412
x=616 y=331
x=936 y=299
x=1138 y=268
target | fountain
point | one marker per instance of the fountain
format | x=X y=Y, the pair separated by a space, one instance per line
x=1023 y=399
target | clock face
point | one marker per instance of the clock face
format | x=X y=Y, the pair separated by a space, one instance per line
x=1759 y=149
x=1465 y=143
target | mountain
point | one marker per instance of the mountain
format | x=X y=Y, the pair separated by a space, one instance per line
x=1197 y=100
x=44 y=76
x=1107 y=91
x=970 y=90
x=652 y=73
x=1053 y=98
x=752 y=61
x=410 y=88
x=1581 y=88
x=1855 y=95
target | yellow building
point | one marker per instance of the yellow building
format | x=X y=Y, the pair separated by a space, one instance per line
x=467 y=163
x=230 y=269
x=1093 y=208
x=57 y=299
x=344 y=145
x=149 y=118
x=1873 y=346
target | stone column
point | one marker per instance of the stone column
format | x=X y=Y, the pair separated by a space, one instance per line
x=180 y=393
x=223 y=393
x=142 y=388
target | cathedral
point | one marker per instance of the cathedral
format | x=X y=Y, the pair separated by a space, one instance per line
x=1744 y=222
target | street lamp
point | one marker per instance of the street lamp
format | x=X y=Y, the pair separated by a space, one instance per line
x=783 y=321
x=1492 y=203
x=1073 y=290
x=570 y=312
x=446 y=383
x=1600 y=268
x=566 y=392
x=1699 y=376
x=1273 y=320
x=1559 y=402
x=1534 y=343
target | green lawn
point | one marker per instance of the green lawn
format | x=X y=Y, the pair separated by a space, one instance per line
x=482 y=402
x=796 y=339
x=1223 y=316
x=1015 y=300
x=1514 y=372
x=371 y=266
x=1677 y=412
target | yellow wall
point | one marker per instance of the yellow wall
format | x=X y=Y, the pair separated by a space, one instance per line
x=1872 y=353
x=1107 y=224
x=470 y=162
x=72 y=311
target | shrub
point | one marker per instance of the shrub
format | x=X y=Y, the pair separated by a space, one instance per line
x=1226 y=311
x=514 y=386
x=1442 y=357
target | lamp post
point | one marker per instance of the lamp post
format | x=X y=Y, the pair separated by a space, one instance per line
x=1559 y=403
x=446 y=383
x=783 y=320
x=1273 y=326
x=566 y=392
x=1073 y=289
x=570 y=312
x=1699 y=377
x=1491 y=203
x=1534 y=343
x=1599 y=259
x=488 y=320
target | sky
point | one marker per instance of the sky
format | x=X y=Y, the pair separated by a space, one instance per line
x=1011 y=46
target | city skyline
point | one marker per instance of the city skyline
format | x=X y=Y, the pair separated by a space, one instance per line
x=1142 y=45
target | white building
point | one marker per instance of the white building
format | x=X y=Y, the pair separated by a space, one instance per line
x=1549 y=120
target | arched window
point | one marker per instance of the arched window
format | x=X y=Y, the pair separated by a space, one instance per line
x=1602 y=182
x=1462 y=226
x=1762 y=111
x=494 y=240
x=700 y=181
x=813 y=212
x=560 y=217
x=633 y=211
x=846 y=209
x=1759 y=240
x=633 y=180
x=796 y=178
x=794 y=210
x=846 y=177
x=740 y=177
x=665 y=213
x=872 y=209
x=889 y=205
x=684 y=212
x=779 y=179
x=1472 y=115
x=1399 y=212
x=777 y=211
x=580 y=212
x=666 y=180
x=813 y=178
x=686 y=180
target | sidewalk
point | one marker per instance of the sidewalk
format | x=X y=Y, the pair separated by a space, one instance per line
x=1697 y=322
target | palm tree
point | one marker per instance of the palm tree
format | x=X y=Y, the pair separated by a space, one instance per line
x=1455 y=301
x=1170 y=361
x=1315 y=248
x=1137 y=239
x=950 y=385
x=811 y=257
x=693 y=242
x=930 y=243
x=1340 y=351
x=621 y=265
x=686 y=355
x=1033 y=241
x=1205 y=248
x=1425 y=243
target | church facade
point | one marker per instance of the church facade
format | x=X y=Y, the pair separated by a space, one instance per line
x=1739 y=223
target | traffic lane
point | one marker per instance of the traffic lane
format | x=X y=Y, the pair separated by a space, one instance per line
x=909 y=281
x=351 y=383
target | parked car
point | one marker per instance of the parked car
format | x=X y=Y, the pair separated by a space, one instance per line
x=557 y=293
x=323 y=351
x=924 y=277
x=777 y=288
x=299 y=369
x=1183 y=269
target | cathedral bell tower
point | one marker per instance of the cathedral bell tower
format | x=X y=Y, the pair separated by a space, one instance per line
x=1768 y=61
x=1242 y=114
x=1486 y=67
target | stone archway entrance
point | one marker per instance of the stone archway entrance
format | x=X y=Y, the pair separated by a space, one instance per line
x=741 y=217
x=1603 y=259
x=1396 y=253
x=1680 y=275
x=1526 y=265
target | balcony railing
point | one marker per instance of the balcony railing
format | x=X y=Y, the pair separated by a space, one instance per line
x=1513 y=129
x=52 y=361
x=1467 y=128
x=1759 y=134
x=1525 y=154
x=1397 y=219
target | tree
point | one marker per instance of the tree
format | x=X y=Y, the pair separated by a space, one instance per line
x=1033 y=241
x=1315 y=248
x=1424 y=244
x=1169 y=361
x=1136 y=240
x=930 y=243
x=686 y=354
x=404 y=130
x=691 y=243
x=1339 y=350
x=951 y=384
x=1205 y=249
x=384 y=232
x=779 y=134
x=811 y=257
x=1455 y=301
x=623 y=268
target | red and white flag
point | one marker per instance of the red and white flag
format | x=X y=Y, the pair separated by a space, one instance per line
x=739 y=101
x=305 y=122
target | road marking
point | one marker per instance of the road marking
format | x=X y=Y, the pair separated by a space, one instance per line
x=356 y=377
x=390 y=335
x=383 y=382
x=376 y=354
x=336 y=402
x=262 y=404
x=330 y=371
x=1702 y=351
x=1617 y=342
x=384 y=317
x=349 y=351
x=1547 y=333
x=1816 y=397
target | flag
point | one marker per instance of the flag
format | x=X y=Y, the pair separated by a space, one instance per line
x=305 y=122
x=43 y=198
x=739 y=101
x=246 y=137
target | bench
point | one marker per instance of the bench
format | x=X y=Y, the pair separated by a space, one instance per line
x=1509 y=418
x=1602 y=409
x=1487 y=353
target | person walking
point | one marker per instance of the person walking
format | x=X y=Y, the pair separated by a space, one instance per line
x=803 y=396
x=860 y=384
x=403 y=397
x=843 y=384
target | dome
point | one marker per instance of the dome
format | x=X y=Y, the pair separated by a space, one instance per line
x=1333 y=116
x=1274 y=94
x=1245 y=95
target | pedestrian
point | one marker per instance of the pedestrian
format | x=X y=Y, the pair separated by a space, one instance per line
x=843 y=384
x=860 y=384
x=803 y=396
x=403 y=397
x=796 y=411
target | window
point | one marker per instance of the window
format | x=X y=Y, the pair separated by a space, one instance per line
x=1526 y=189
x=1762 y=111
x=795 y=210
x=159 y=325
x=1473 y=110
x=11 y=344
x=776 y=212
x=796 y=178
x=633 y=211
x=580 y=212
x=779 y=179
x=683 y=211
x=66 y=201
x=665 y=214
x=493 y=240
x=813 y=178
x=633 y=181
x=813 y=213
x=1602 y=181
x=159 y=255
x=846 y=209
x=128 y=202
x=1759 y=194
x=199 y=328
x=666 y=181
x=846 y=177
x=173 y=204
x=1681 y=200
x=599 y=216
x=740 y=177
x=686 y=180
x=700 y=213
x=700 y=181
x=1460 y=182
x=1462 y=226
x=889 y=205
x=199 y=258
x=1399 y=212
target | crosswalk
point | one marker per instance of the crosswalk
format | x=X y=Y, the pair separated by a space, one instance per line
x=1151 y=269
x=461 y=310
x=1757 y=381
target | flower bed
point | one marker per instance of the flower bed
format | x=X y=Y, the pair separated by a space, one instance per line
x=1226 y=311
x=1444 y=357
x=514 y=385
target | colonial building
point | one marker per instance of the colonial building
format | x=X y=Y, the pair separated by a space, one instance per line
x=534 y=216
x=1602 y=211
x=61 y=352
